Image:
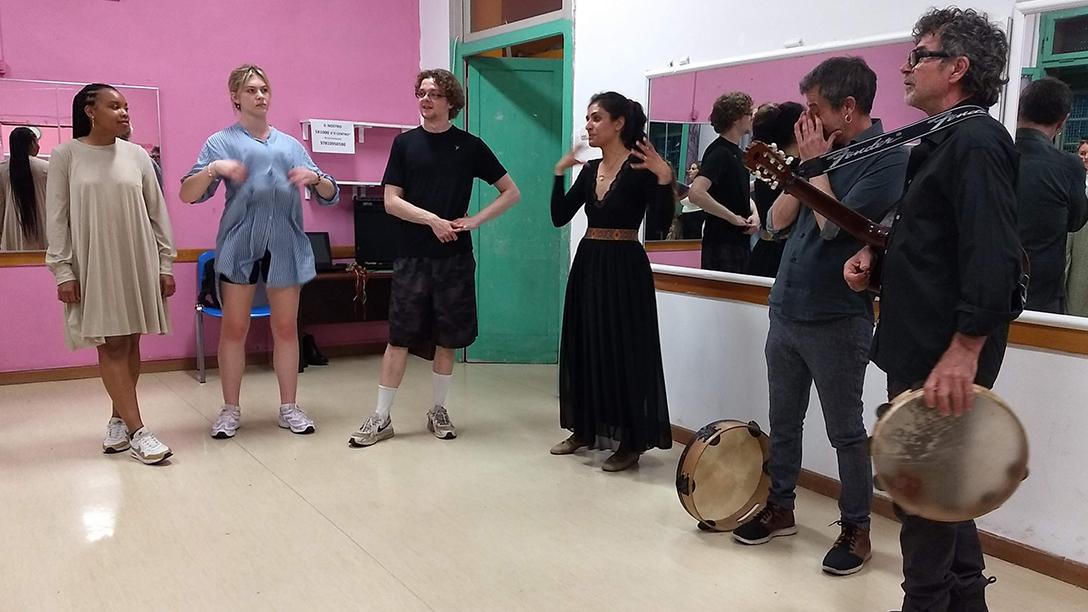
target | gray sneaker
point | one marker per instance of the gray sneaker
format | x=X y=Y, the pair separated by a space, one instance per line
x=438 y=423
x=116 y=439
x=371 y=432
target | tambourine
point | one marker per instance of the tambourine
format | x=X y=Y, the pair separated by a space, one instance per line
x=722 y=477
x=949 y=468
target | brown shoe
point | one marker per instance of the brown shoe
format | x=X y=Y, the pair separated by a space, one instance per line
x=568 y=446
x=771 y=522
x=620 y=461
x=850 y=552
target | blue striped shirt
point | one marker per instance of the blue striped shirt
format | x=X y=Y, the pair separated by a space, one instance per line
x=263 y=213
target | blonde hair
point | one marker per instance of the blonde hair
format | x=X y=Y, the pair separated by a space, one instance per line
x=240 y=75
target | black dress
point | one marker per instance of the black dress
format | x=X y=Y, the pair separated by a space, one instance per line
x=611 y=383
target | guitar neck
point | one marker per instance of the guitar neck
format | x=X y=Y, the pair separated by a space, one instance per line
x=848 y=220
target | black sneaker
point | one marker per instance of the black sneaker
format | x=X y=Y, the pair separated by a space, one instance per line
x=771 y=522
x=850 y=552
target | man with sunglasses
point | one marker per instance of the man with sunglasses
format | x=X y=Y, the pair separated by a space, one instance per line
x=950 y=274
x=428 y=185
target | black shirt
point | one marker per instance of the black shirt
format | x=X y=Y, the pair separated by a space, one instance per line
x=1051 y=204
x=730 y=187
x=809 y=286
x=633 y=191
x=953 y=259
x=436 y=172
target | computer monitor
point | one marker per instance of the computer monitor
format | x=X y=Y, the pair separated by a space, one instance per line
x=377 y=234
x=319 y=242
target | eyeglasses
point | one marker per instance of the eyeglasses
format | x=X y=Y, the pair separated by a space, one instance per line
x=918 y=54
x=433 y=95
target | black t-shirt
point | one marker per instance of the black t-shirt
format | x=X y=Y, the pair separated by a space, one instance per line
x=436 y=172
x=730 y=187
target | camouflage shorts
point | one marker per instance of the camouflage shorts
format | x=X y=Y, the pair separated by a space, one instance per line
x=433 y=301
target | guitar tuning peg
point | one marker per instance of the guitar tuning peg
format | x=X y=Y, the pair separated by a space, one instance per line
x=774 y=184
x=774 y=147
x=789 y=160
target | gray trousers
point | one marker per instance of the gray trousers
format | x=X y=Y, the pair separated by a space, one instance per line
x=834 y=355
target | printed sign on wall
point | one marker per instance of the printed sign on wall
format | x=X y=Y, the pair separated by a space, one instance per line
x=332 y=136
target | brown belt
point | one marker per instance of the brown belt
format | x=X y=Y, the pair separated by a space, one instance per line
x=601 y=233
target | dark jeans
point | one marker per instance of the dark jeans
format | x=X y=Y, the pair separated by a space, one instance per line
x=942 y=562
x=834 y=355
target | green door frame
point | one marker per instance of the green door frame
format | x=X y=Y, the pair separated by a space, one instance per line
x=1047 y=57
x=459 y=52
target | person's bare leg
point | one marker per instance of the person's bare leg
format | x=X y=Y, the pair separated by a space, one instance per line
x=237 y=303
x=114 y=364
x=394 y=364
x=443 y=360
x=284 y=303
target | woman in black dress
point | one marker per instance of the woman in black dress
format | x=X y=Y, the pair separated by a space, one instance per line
x=773 y=124
x=611 y=384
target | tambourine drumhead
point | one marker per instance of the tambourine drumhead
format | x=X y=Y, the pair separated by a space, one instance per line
x=721 y=479
x=948 y=468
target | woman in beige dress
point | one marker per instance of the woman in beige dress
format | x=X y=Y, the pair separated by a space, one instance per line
x=22 y=194
x=110 y=248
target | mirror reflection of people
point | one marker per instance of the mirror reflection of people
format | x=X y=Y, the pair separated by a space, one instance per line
x=951 y=274
x=1076 y=259
x=611 y=382
x=432 y=305
x=22 y=193
x=820 y=331
x=691 y=216
x=772 y=124
x=126 y=134
x=1050 y=191
x=260 y=238
x=111 y=251
x=723 y=188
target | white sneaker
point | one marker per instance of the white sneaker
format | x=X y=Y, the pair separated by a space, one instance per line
x=116 y=439
x=292 y=417
x=146 y=448
x=226 y=425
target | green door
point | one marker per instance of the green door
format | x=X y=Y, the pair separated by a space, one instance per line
x=515 y=106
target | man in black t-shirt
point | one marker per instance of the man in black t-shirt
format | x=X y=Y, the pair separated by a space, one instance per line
x=428 y=185
x=723 y=188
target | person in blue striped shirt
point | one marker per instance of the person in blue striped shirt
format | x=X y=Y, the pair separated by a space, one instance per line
x=260 y=237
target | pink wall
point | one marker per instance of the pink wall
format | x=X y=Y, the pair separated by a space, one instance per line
x=686 y=259
x=330 y=59
x=776 y=80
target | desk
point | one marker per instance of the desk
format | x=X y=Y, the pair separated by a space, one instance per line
x=330 y=298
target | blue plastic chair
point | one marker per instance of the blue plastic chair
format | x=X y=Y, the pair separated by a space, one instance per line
x=201 y=310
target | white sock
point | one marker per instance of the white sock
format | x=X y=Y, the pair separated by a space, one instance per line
x=441 y=387
x=385 y=401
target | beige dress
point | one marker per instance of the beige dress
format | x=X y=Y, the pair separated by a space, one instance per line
x=107 y=227
x=11 y=232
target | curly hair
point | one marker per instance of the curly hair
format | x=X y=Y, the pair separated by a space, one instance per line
x=967 y=33
x=728 y=109
x=448 y=85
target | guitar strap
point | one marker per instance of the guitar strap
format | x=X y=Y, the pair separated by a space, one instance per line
x=878 y=144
